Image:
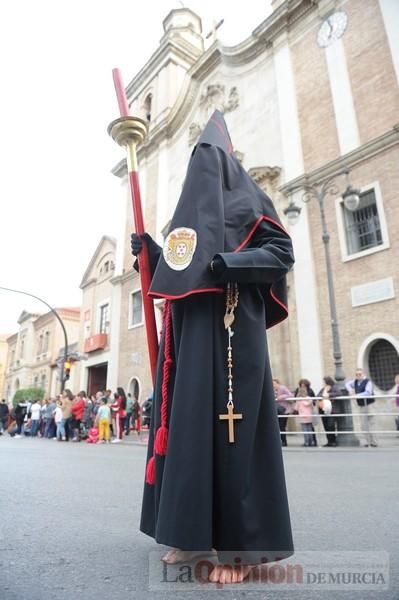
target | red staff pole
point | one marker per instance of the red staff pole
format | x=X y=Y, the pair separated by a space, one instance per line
x=129 y=132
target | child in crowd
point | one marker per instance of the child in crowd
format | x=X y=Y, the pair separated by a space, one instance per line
x=59 y=422
x=304 y=406
x=103 y=419
x=92 y=437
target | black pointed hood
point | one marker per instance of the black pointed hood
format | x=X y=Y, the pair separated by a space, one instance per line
x=219 y=211
x=216 y=133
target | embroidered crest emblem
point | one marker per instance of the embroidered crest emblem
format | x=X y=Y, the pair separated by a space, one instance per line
x=179 y=248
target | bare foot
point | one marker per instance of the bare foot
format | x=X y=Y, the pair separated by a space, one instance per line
x=174 y=556
x=169 y=555
x=230 y=574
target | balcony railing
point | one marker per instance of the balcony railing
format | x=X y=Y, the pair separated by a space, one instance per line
x=95 y=342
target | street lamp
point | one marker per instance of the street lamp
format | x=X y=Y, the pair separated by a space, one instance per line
x=351 y=198
x=61 y=323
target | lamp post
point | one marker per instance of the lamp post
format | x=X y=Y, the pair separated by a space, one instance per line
x=60 y=321
x=351 y=199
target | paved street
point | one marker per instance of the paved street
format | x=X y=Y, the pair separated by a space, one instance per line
x=70 y=513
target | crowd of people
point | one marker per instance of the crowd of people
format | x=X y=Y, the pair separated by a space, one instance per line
x=326 y=406
x=105 y=417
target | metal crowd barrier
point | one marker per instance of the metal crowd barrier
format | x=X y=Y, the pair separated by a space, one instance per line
x=318 y=416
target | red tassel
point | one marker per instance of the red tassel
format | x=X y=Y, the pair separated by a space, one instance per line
x=161 y=440
x=150 y=471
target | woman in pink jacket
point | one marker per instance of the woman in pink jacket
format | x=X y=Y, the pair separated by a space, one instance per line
x=304 y=406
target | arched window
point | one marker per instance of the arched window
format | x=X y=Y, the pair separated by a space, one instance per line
x=383 y=364
x=148 y=107
x=16 y=385
x=36 y=381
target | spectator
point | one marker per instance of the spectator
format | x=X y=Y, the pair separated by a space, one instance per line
x=48 y=418
x=305 y=383
x=362 y=388
x=42 y=421
x=12 y=424
x=129 y=403
x=88 y=417
x=146 y=412
x=284 y=407
x=92 y=437
x=103 y=420
x=136 y=416
x=4 y=413
x=304 y=406
x=328 y=408
x=97 y=403
x=78 y=411
x=67 y=401
x=108 y=395
x=35 y=411
x=20 y=414
x=118 y=408
x=60 y=421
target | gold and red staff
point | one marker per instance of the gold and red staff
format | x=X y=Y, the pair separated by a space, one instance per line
x=130 y=131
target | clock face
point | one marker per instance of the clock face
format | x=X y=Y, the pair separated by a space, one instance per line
x=332 y=28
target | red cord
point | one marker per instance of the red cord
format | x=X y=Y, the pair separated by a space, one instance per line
x=161 y=437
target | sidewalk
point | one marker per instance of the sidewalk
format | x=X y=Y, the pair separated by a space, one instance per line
x=294 y=442
x=136 y=440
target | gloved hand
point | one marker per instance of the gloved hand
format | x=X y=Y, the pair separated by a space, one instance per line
x=136 y=242
x=154 y=251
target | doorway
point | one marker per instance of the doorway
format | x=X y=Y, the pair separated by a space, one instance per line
x=97 y=379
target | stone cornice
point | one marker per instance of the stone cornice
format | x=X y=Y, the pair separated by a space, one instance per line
x=349 y=160
x=44 y=319
x=283 y=18
x=25 y=315
x=178 y=48
x=203 y=64
x=261 y=174
x=127 y=276
x=88 y=283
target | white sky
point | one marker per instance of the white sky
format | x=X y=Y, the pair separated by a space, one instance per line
x=56 y=191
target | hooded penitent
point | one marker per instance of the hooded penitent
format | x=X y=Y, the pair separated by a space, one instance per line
x=219 y=212
x=202 y=490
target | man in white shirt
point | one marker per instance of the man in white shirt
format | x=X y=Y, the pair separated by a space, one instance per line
x=35 y=411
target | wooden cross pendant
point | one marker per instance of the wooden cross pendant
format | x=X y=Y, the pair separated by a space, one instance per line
x=230 y=416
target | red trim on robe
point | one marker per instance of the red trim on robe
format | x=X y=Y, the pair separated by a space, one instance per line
x=255 y=227
x=240 y=247
x=245 y=242
x=283 y=306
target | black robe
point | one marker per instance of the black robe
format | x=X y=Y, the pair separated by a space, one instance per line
x=210 y=493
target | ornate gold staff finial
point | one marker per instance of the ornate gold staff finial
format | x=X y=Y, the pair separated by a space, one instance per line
x=129 y=132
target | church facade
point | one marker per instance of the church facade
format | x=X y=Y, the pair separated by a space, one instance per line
x=311 y=92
